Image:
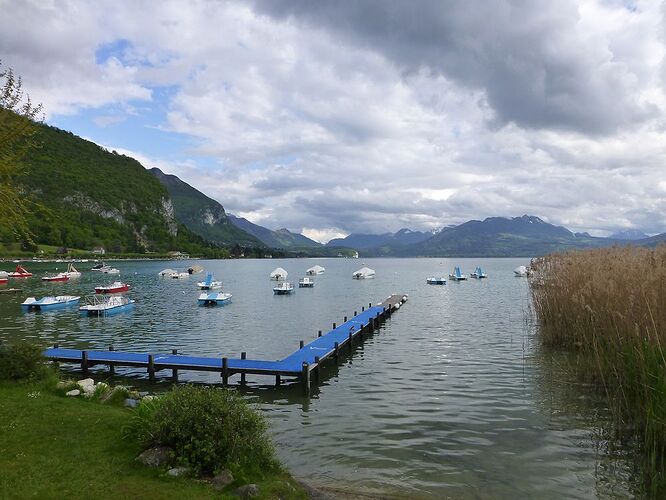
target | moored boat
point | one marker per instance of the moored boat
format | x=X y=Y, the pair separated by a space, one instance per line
x=115 y=287
x=283 y=288
x=49 y=302
x=104 y=306
x=110 y=270
x=306 y=282
x=99 y=267
x=209 y=283
x=20 y=272
x=436 y=280
x=521 y=271
x=4 y=277
x=478 y=273
x=457 y=275
x=56 y=278
x=279 y=274
x=179 y=275
x=214 y=298
x=72 y=272
x=363 y=274
x=315 y=270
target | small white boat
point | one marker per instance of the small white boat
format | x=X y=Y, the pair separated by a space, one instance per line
x=521 y=271
x=196 y=269
x=72 y=272
x=283 y=288
x=100 y=267
x=110 y=270
x=214 y=298
x=179 y=276
x=363 y=274
x=279 y=274
x=436 y=280
x=166 y=273
x=105 y=305
x=209 y=283
x=55 y=278
x=306 y=282
x=314 y=270
x=49 y=303
x=457 y=275
x=478 y=273
x=4 y=277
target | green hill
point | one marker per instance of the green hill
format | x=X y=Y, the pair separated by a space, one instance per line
x=201 y=214
x=82 y=196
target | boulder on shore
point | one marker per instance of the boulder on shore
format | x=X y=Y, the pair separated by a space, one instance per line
x=156 y=457
x=247 y=491
x=178 y=471
x=223 y=479
x=73 y=392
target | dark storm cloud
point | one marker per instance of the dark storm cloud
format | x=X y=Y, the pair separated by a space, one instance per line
x=538 y=67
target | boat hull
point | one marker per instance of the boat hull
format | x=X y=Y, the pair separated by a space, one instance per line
x=306 y=285
x=436 y=281
x=107 y=290
x=38 y=305
x=283 y=292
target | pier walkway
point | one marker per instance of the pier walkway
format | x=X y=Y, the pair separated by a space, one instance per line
x=308 y=358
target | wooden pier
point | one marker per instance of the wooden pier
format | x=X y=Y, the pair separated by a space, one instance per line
x=301 y=364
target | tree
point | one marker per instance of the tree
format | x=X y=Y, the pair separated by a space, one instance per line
x=18 y=116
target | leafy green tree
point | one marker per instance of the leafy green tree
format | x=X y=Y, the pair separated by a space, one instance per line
x=18 y=115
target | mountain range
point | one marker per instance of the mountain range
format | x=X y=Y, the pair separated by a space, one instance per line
x=82 y=195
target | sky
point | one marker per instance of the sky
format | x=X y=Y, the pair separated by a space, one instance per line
x=368 y=116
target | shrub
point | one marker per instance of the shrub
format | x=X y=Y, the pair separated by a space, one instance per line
x=208 y=429
x=20 y=360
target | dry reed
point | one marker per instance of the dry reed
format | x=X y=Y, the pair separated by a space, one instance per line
x=609 y=305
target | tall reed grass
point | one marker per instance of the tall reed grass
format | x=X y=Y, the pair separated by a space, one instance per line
x=609 y=306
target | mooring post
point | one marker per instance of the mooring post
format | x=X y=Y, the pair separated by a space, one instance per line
x=305 y=376
x=174 y=371
x=351 y=342
x=151 y=367
x=225 y=371
x=369 y=305
x=112 y=367
x=319 y=333
x=355 y=314
x=334 y=326
x=278 y=380
x=363 y=309
x=84 y=361
x=243 y=356
x=301 y=344
x=317 y=368
x=337 y=352
x=345 y=320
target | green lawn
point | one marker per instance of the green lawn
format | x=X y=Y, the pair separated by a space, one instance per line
x=57 y=447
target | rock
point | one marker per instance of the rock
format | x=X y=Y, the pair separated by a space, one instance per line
x=73 y=392
x=247 y=491
x=156 y=457
x=131 y=403
x=222 y=480
x=87 y=385
x=178 y=471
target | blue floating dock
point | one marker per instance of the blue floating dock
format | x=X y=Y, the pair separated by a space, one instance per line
x=299 y=364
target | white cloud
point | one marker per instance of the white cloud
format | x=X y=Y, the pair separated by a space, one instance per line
x=315 y=127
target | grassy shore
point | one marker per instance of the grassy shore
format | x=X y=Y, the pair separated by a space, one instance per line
x=57 y=447
x=609 y=306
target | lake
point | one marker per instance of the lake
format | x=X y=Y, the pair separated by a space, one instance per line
x=451 y=397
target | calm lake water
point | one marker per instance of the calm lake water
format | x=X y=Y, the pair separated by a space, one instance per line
x=451 y=398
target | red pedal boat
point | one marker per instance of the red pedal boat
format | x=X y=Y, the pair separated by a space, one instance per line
x=57 y=277
x=20 y=272
x=116 y=287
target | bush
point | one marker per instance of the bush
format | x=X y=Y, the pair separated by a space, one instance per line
x=208 y=429
x=22 y=360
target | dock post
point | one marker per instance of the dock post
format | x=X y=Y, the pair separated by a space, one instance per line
x=174 y=371
x=278 y=380
x=112 y=367
x=355 y=314
x=351 y=342
x=369 y=305
x=363 y=309
x=151 y=367
x=360 y=333
x=301 y=344
x=319 y=333
x=243 y=356
x=317 y=369
x=225 y=371
x=334 y=326
x=345 y=320
x=337 y=352
x=305 y=376
x=84 y=361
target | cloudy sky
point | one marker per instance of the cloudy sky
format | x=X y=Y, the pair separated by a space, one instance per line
x=333 y=117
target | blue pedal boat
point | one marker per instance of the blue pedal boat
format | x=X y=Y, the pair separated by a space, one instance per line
x=214 y=298
x=49 y=303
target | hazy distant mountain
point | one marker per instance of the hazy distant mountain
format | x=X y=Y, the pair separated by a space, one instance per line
x=201 y=214
x=495 y=237
x=364 y=241
x=281 y=238
x=629 y=234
